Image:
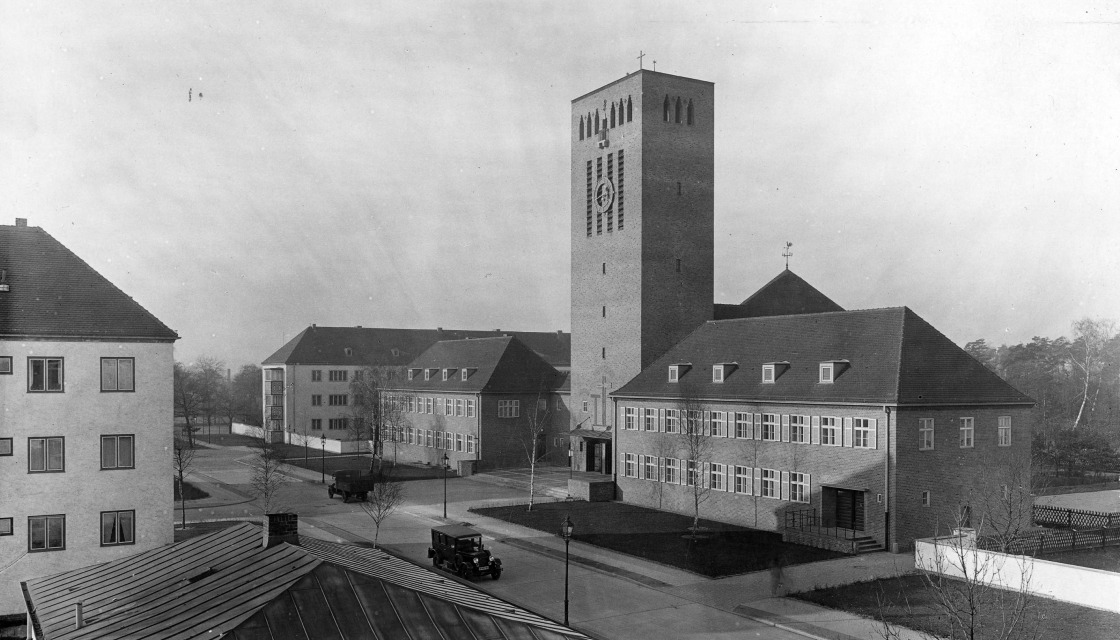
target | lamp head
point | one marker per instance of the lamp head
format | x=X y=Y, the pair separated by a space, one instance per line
x=566 y=527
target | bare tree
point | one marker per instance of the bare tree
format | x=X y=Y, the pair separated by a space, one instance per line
x=210 y=381
x=186 y=398
x=372 y=410
x=1087 y=353
x=1008 y=508
x=531 y=437
x=267 y=476
x=665 y=446
x=695 y=443
x=385 y=495
x=183 y=459
x=245 y=395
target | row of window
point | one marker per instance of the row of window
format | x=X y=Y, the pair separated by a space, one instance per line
x=48 y=454
x=462 y=407
x=48 y=375
x=625 y=113
x=48 y=533
x=966 y=432
x=828 y=371
x=446 y=440
x=333 y=375
x=334 y=424
x=446 y=373
x=791 y=486
x=860 y=433
x=335 y=400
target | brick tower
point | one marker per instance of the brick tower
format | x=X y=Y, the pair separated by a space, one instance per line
x=642 y=236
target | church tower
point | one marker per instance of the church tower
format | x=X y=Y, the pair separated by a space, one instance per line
x=642 y=235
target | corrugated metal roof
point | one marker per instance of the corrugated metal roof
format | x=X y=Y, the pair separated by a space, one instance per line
x=894 y=356
x=54 y=293
x=226 y=585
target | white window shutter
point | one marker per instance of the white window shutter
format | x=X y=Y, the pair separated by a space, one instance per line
x=660 y=420
x=661 y=469
x=808 y=488
x=707 y=475
x=785 y=485
x=847 y=432
x=758 y=426
x=750 y=426
x=816 y=429
x=758 y=481
x=707 y=423
x=873 y=437
x=729 y=480
x=785 y=427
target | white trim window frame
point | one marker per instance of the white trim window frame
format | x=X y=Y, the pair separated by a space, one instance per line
x=830 y=431
x=925 y=434
x=719 y=424
x=827 y=372
x=672 y=421
x=630 y=418
x=770 y=427
x=744 y=426
x=968 y=433
x=672 y=471
x=630 y=465
x=744 y=480
x=1004 y=431
x=650 y=471
x=799 y=429
x=799 y=487
x=717 y=373
x=649 y=420
x=771 y=484
x=861 y=433
x=717 y=477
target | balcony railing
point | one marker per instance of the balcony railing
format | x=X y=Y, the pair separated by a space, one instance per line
x=809 y=521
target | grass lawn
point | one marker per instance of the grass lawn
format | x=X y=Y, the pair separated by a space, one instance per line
x=192 y=492
x=661 y=537
x=908 y=603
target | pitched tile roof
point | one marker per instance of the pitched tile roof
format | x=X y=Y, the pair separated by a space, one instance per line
x=398 y=347
x=54 y=293
x=786 y=294
x=894 y=356
x=500 y=365
x=225 y=585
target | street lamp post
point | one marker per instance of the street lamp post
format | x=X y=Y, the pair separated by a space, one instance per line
x=566 y=533
x=323 y=460
x=445 y=468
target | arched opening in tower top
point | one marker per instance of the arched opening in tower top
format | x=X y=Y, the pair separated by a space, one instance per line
x=612 y=115
x=581 y=127
x=690 y=111
x=665 y=110
x=677 y=112
x=629 y=109
x=596 y=121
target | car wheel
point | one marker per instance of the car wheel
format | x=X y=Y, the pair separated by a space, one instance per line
x=496 y=573
x=464 y=571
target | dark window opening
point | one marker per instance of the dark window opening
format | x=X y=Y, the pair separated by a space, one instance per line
x=677 y=112
x=678 y=265
x=612 y=115
x=596 y=121
x=604 y=311
x=665 y=110
x=604 y=268
x=629 y=109
x=604 y=353
x=581 y=127
x=690 y=112
x=678 y=188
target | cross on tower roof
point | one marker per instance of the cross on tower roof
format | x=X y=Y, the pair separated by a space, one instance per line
x=787 y=254
x=641 y=54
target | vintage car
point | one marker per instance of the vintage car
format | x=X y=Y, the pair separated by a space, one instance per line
x=350 y=483
x=459 y=549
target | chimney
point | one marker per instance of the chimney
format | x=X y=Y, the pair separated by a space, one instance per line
x=78 y=622
x=21 y=222
x=281 y=527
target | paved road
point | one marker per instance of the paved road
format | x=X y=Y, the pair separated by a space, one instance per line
x=611 y=596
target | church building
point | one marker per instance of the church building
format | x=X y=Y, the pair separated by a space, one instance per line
x=852 y=430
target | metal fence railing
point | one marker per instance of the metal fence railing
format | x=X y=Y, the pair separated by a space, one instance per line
x=809 y=521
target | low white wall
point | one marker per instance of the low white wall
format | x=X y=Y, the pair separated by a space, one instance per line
x=955 y=556
x=246 y=430
x=332 y=445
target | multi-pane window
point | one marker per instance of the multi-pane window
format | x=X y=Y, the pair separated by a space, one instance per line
x=770 y=483
x=691 y=471
x=116 y=452
x=925 y=434
x=799 y=429
x=470 y=444
x=694 y=423
x=861 y=433
x=470 y=408
x=338 y=423
x=717 y=479
x=117 y=527
x=629 y=465
x=650 y=421
x=672 y=471
x=429 y=405
x=799 y=487
x=650 y=471
x=743 y=426
x=439 y=406
x=46 y=533
x=6 y=368
x=338 y=399
x=672 y=421
x=338 y=375
x=117 y=374
x=770 y=427
x=7 y=527
x=630 y=418
x=449 y=407
x=316 y=424
x=509 y=408
x=968 y=433
x=719 y=424
x=926 y=499
x=830 y=431
x=45 y=455
x=428 y=437
x=460 y=407
x=743 y=480
x=460 y=442
x=316 y=375
x=1005 y=431
x=316 y=400
x=44 y=374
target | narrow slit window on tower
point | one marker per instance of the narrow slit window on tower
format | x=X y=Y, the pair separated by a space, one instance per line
x=665 y=110
x=621 y=112
x=612 y=115
x=596 y=121
x=678 y=188
x=604 y=353
x=678 y=265
x=598 y=211
x=604 y=311
x=629 y=109
x=690 y=111
x=604 y=268
x=610 y=207
x=677 y=111
x=581 y=127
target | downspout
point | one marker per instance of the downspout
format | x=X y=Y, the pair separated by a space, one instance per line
x=614 y=448
x=887 y=484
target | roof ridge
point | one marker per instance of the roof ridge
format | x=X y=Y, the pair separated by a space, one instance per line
x=806 y=315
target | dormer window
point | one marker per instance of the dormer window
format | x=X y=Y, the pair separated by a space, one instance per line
x=348 y=351
x=445 y=375
x=411 y=373
x=678 y=370
x=721 y=370
x=831 y=369
x=466 y=373
x=771 y=371
x=427 y=374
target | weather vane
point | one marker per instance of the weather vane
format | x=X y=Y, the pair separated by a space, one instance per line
x=787 y=254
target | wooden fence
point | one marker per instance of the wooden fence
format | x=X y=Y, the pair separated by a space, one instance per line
x=1055 y=541
x=1048 y=516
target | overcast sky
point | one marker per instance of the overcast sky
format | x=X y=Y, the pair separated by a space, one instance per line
x=405 y=164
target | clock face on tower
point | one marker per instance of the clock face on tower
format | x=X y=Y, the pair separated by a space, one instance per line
x=604 y=194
